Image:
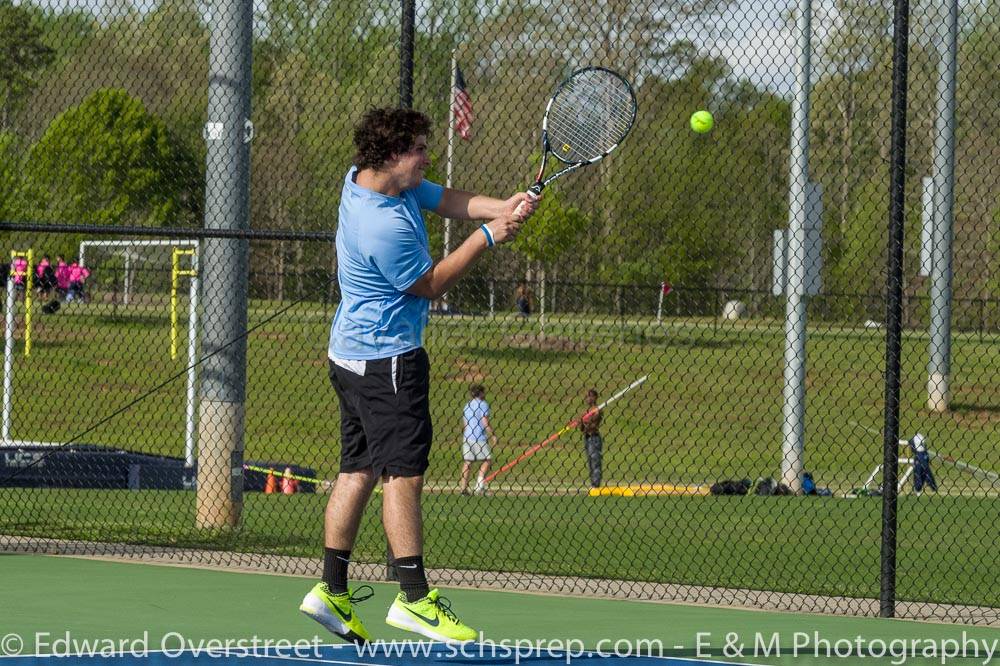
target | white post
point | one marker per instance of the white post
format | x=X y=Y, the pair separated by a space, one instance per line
x=659 y=305
x=451 y=143
x=128 y=275
x=541 y=308
x=8 y=362
x=794 y=389
x=192 y=378
x=492 y=298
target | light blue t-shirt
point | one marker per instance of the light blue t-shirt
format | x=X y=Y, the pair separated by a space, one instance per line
x=382 y=249
x=474 y=412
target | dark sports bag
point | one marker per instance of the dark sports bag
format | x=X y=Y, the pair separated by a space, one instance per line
x=731 y=487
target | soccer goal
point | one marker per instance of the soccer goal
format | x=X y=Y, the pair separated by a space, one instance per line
x=144 y=275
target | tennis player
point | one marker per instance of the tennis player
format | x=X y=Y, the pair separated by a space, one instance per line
x=378 y=367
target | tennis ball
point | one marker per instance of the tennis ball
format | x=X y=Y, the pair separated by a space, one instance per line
x=702 y=122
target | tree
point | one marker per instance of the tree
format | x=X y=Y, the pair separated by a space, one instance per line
x=109 y=161
x=23 y=56
x=9 y=176
x=860 y=269
x=550 y=233
x=551 y=230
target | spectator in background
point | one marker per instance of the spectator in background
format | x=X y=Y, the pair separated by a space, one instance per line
x=62 y=277
x=45 y=277
x=20 y=272
x=477 y=434
x=590 y=425
x=523 y=298
x=77 y=275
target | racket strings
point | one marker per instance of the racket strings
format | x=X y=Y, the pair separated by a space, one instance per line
x=590 y=116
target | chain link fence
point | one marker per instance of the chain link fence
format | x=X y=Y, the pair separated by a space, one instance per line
x=170 y=176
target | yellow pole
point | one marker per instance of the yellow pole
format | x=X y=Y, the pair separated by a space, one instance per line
x=175 y=278
x=175 y=268
x=29 y=285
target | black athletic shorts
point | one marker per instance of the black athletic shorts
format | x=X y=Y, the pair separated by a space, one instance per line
x=385 y=416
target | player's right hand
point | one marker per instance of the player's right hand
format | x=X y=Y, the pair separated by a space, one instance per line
x=527 y=203
x=504 y=229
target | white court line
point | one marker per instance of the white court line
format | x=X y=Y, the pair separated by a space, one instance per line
x=314 y=660
x=589 y=654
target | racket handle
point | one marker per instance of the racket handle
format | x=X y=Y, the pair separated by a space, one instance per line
x=533 y=192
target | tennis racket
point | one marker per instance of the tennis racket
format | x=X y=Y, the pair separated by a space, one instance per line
x=590 y=113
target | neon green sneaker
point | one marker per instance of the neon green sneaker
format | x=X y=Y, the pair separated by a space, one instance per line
x=431 y=617
x=336 y=611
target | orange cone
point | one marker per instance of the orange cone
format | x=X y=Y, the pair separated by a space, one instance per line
x=271 y=484
x=288 y=484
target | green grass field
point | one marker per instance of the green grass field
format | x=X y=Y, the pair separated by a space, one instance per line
x=710 y=410
x=769 y=543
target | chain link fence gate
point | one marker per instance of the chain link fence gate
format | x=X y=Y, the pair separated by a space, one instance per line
x=165 y=395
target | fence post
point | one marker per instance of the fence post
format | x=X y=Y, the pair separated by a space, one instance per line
x=894 y=292
x=114 y=297
x=621 y=312
x=716 y=311
x=982 y=317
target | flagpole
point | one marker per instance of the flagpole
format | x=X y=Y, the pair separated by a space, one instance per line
x=451 y=143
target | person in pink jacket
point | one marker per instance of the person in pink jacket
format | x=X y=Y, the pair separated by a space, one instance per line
x=45 y=277
x=62 y=277
x=77 y=275
x=19 y=270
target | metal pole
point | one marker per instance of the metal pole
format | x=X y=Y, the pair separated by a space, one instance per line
x=28 y=288
x=128 y=276
x=8 y=361
x=192 y=375
x=225 y=264
x=893 y=318
x=406 y=55
x=793 y=412
x=405 y=102
x=175 y=279
x=451 y=144
x=939 y=365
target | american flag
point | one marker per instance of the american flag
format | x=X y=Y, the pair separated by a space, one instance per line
x=461 y=106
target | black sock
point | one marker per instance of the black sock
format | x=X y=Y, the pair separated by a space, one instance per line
x=335 y=569
x=412 y=580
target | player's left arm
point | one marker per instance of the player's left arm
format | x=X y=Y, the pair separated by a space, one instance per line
x=488 y=428
x=461 y=205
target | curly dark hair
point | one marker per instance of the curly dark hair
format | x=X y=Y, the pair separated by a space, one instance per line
x=385 y=132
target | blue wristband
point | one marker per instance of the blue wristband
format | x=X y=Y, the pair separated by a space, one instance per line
x=489 y=236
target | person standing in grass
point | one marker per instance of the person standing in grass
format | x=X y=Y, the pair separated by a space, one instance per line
x=593 y=445
x=477 y=433
x=523 y=298
x=19 y=269
x=379 y=368
x=62 y=277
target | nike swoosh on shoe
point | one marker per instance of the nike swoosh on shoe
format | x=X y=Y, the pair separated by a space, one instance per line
x=347 y=618
x=433 y=622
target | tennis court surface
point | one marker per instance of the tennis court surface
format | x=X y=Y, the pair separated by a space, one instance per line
x=85 y=610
